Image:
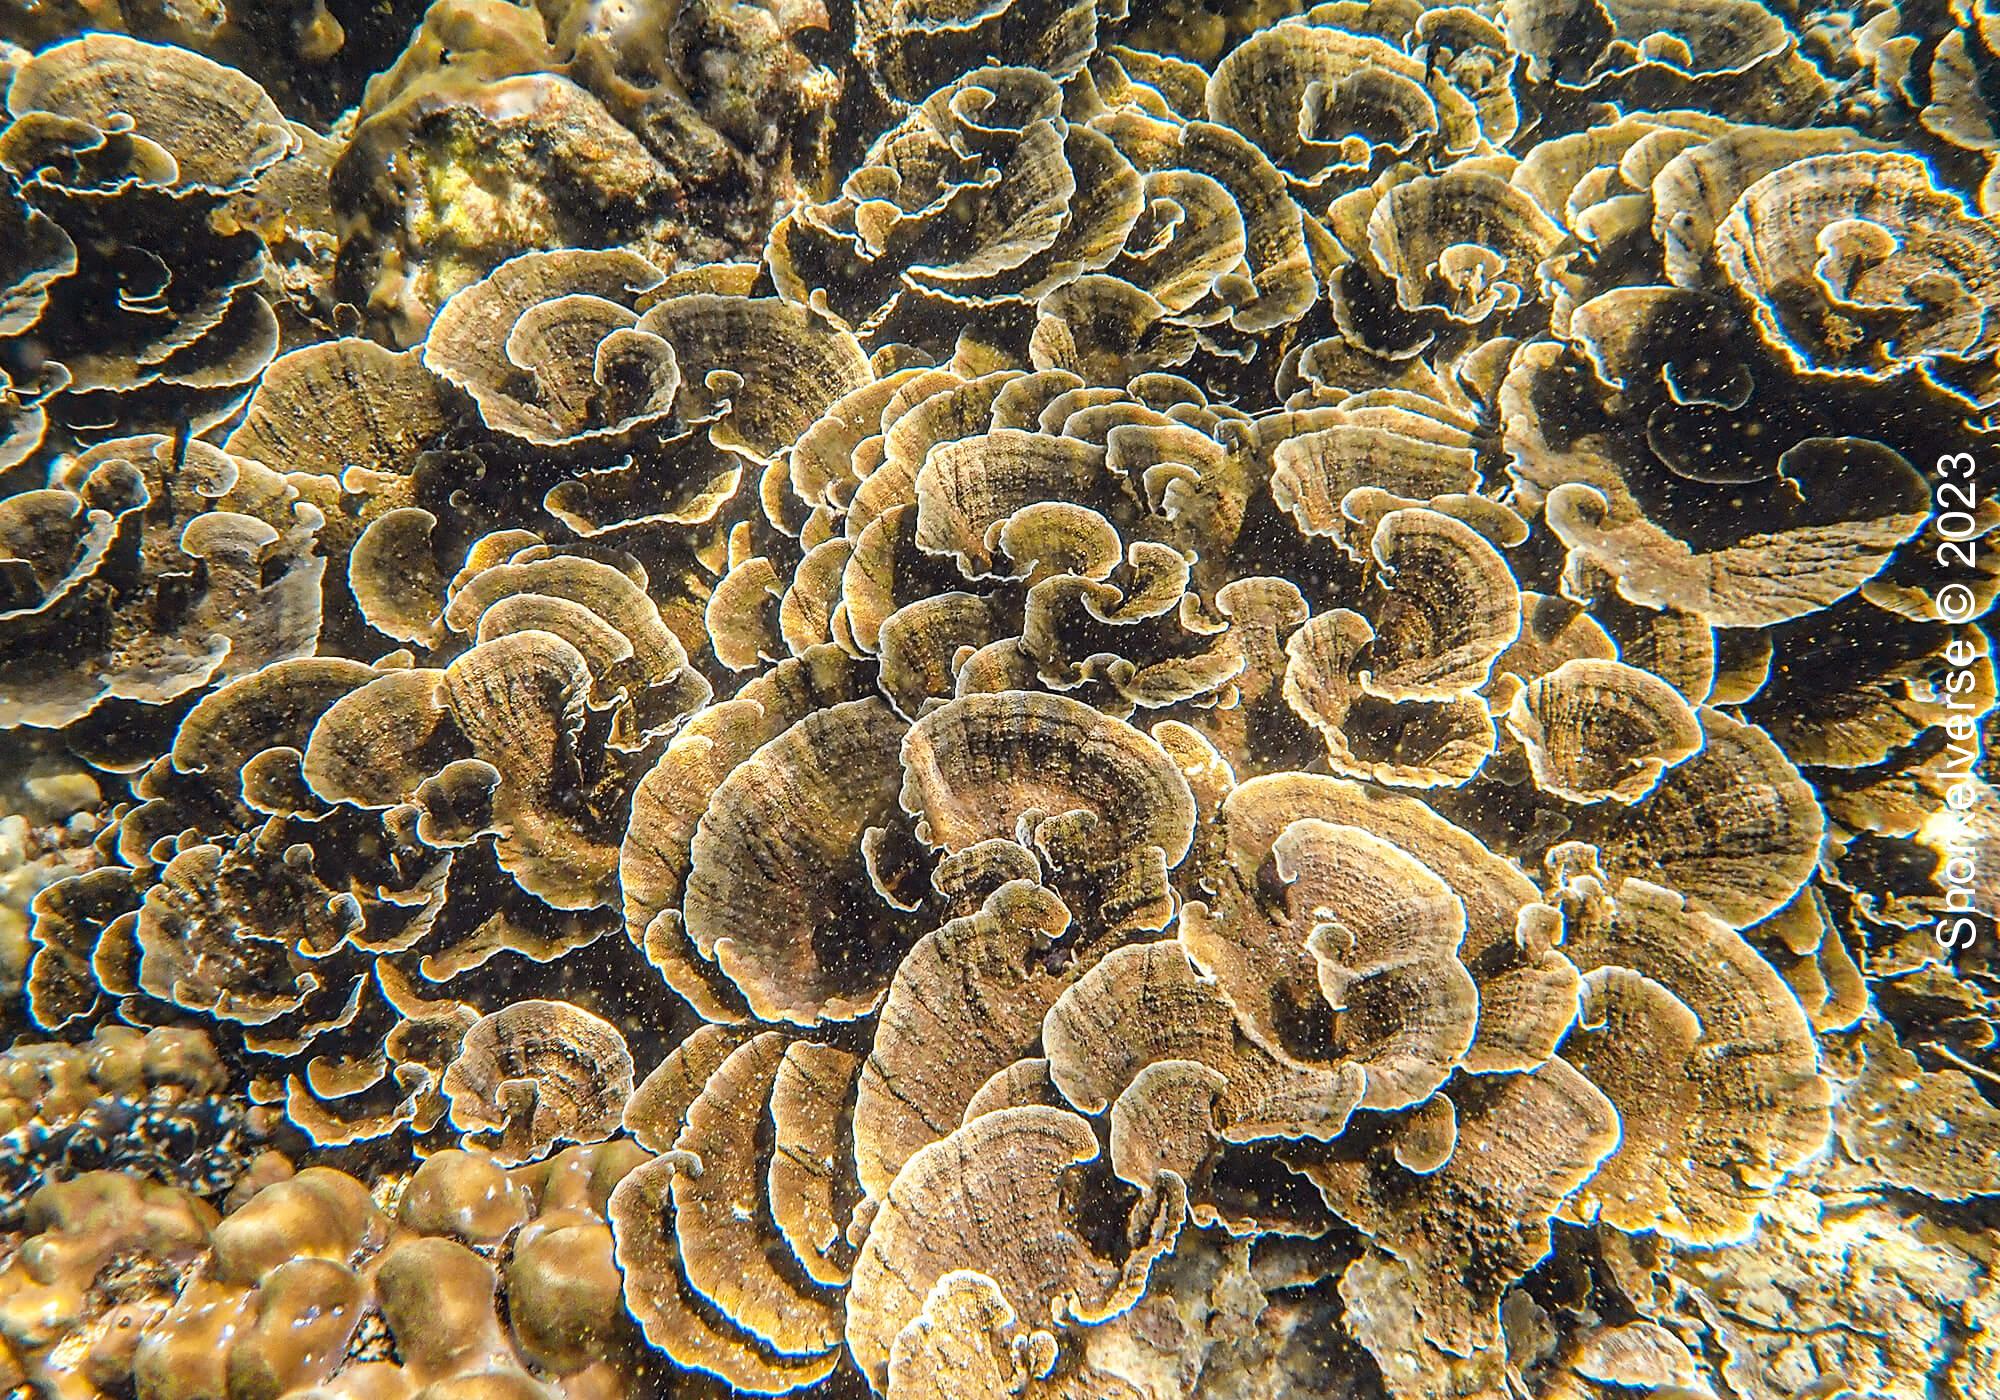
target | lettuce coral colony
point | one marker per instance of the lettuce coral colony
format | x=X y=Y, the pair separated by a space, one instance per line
x=1043 y=698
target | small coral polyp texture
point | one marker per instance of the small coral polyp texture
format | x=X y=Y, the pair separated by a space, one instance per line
x=1024 y=699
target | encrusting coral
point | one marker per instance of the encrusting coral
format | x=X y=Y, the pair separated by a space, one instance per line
x=1084 y=702
x=477 y=1282
x=155 y=1105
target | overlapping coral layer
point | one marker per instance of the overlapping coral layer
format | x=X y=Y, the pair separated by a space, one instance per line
x=1015 y=699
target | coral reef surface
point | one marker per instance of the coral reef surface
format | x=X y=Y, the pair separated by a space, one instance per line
x=961 y=699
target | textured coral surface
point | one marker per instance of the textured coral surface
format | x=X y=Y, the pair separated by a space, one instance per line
x=955 y=699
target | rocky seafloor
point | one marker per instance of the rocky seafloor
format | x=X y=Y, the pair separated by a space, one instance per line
x=970 y=698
